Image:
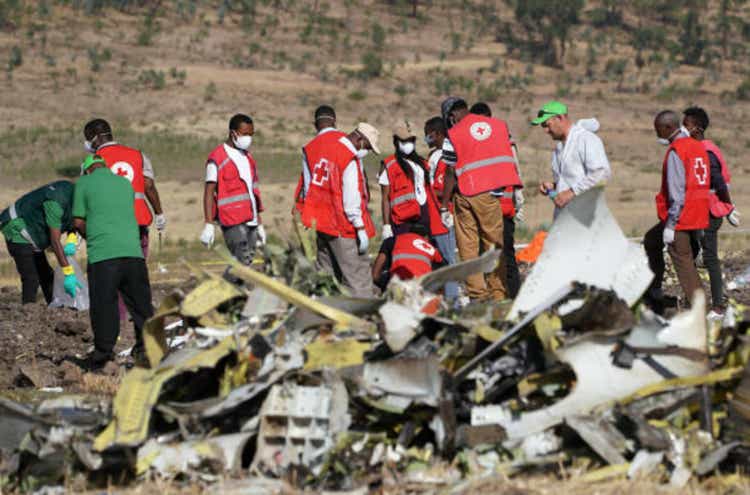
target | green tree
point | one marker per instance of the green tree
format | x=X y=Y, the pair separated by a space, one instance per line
x=692 y=38
x=547 y=25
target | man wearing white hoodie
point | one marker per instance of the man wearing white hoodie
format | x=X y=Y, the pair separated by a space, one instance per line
x=579 y=161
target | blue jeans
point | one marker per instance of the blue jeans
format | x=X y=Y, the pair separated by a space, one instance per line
x=446 y=244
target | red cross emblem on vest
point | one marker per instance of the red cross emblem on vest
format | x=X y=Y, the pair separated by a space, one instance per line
x=123 y=169
x=701 y=171
x=480 y=130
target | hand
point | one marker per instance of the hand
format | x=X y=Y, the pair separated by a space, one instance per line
x=160 y=222
x=518 y=196
x=387 y=231
x=734 y=218
x=70 y=283
x=668 y=236
x=520 y=217
x=563 y=198
x=447 y=218
x=261 y=231
x=207 y=236
x=546 y=187
x=363 y=242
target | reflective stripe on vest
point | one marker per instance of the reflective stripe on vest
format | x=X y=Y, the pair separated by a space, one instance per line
x=139 y=195
x=233 y=199
x=24 y=233
x=223 y=164
x=404 y=198
x=408 y=256
x=484 y=163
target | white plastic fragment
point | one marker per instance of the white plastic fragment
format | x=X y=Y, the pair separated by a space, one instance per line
x=585 y=244
x=401 y=324
x=644 y=463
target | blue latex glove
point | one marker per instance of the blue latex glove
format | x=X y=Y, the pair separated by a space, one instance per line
x=70 y=249
x=70 y=284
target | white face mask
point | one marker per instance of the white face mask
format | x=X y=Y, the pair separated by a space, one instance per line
x=684 y=130
x=362 y=153
x=407 y=148
x=242 y=142
x=89 y=147
x=667 y=141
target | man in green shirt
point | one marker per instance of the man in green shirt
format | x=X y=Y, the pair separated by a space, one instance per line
x=34 y=223
x=103 y=213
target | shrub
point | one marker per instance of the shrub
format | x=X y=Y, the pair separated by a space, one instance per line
x=372 y=66
x=378 y=35
x=152 y=79
x=209 y=94
x=357 y=95
x=743 y=90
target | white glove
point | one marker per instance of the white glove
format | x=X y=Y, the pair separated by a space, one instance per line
x=520 y=217
x=363 y=242
x=387 y=231
x=207 y=236
x=447 y=218
x=518 y=195
x=160 y=222
x=734 y=218
x=668 y=236
x=261 y=231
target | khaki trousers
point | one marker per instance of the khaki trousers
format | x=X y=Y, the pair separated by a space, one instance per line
x=339 y=256
x=479 y=228
x=683 y=259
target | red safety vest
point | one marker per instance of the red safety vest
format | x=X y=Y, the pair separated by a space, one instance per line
x=485 y=157
x=717 y=207
x=234 y=204
x=403 y=198
x=438 y=181
x=328 y=156
x=413 y=256
x=507 y=202
x=694 y=215
x=128 y=162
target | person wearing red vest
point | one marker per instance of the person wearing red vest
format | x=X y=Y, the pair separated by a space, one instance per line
x=511 y=203
x=695 y=120
x=231 y=194
x=335 y=204
x=324 y=121
x=434 y=135
x=681 y=205
x=479 y=160
x=135 y=166
x=408 y=254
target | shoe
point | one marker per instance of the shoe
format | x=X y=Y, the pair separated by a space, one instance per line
x=138 y=353
x=94 y=361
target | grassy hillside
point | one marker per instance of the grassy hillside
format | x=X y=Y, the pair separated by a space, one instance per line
x=169 y=73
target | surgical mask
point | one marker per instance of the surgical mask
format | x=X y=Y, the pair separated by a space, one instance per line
x=407 y=148
x=242 y=142
x=429 y=141
x=362 y=153
x=684 y=129
x=663 y=141
x=89 y=146
x=666 y=141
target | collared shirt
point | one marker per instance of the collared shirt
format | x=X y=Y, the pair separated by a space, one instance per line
x=148 y=169
x=306 y=168
x=352 y=197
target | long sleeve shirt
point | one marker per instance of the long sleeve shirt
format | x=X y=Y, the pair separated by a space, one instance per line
x=676 y=185
x=351 y=194
x=580 y=162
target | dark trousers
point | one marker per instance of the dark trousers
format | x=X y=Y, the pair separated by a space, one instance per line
x=710 y=245
x=129 y=277
x=34 y=270
x=682 y=251
x=512 y=275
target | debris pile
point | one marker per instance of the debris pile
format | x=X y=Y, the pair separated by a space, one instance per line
x=276 y=375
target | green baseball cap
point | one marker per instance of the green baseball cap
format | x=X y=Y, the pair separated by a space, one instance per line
x=549 y=109
x=90 y=160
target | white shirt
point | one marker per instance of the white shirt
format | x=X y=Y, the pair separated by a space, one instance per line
x=350 y=187
x=419 y=184
x=246 y=174
x=306 y=168
x=580 y=162
x=433 y=163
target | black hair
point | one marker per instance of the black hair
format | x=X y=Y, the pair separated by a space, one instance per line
x=97 y=127
x=699 y=115
x=435 y=124
x=481 y=108
x=239 y=119
x=325 y=111
x=459 y=105
x=401 y=159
